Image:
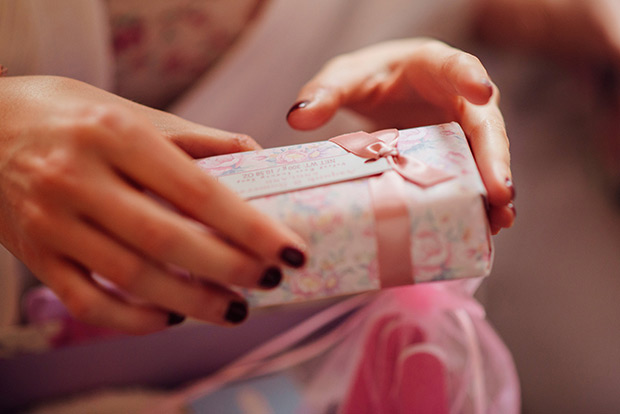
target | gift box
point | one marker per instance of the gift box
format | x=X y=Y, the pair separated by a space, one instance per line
x=377 y=210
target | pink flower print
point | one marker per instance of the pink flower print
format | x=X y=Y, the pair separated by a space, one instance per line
x=307 y=285
x=331 y=282
x=480 y=253
x=373 y=271
x=329 y=223
x=315 y=198
x=292 y=156
x=129 y=34
x=431 y=253
x=222 y=163
x=458 y=159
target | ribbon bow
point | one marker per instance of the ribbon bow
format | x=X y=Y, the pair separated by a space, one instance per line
x=383 y=144
x=391 y=211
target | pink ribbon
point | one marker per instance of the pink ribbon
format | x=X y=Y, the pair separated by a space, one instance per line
x=392 y=221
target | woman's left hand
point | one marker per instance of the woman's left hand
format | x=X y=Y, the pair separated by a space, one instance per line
x=414 y=82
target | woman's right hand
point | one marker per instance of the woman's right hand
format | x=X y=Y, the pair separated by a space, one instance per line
x=76 y=164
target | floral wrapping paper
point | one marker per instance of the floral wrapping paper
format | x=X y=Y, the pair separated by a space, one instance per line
x=450 y=236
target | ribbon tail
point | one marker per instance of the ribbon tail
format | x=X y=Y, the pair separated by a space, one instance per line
x=393 y=230
x=418 y=172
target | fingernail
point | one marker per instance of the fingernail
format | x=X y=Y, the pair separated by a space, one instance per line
x=511 y=187
x=271 y=278
x=175 y=318
x=293 y=257
x=237 y=312
x=486 y=82
x=296 y=106
x=512 y=208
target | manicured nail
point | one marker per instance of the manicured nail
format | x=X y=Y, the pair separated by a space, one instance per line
x=237 y=312
x=512 y=208
x=293 y=257
x=511 y=187
x=175 y=318
x=298 y=105
x=271 y=278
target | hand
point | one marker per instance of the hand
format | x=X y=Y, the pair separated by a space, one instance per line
x=76 y=164
x=414 y=82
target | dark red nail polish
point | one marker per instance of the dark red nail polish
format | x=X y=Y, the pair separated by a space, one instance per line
x=512 y=208
x=511 y=187
x=237 y=312
x=175 y=318
x=293 y=257
x=296 y=106
x=271 y=278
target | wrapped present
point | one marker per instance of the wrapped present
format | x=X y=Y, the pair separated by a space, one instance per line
x=377 y=210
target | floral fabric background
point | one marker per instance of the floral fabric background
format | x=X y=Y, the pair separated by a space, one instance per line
x=161 y=50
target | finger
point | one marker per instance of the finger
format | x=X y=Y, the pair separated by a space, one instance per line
x=196 y=140
x=90 y=304
x=200 y=142
x=143 y=279
x=160 y=167
x=166 y=237
x=439 y=69
x=369 y=78
x=485 y=129
x=502 y=217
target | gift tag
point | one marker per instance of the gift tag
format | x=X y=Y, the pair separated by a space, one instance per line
x=294 y=169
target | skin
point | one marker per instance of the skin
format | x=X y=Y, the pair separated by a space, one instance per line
x=74 y=166
x=75 y=158
x=414 y=82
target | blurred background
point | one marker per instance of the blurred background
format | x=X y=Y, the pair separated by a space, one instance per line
x=553 y=293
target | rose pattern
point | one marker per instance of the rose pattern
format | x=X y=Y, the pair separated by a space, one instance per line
x=449 y=232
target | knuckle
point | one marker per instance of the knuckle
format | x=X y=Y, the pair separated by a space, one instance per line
x=102 y=114
x=32 y=218
x=81 y=305
x=456 y=61
x=95 y=126
x=129 y=273
x=57 y=173
x=490 y=127
x=156 y=240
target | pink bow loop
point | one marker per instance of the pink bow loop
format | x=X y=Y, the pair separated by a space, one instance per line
x=390 y=209
x=382 y=144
